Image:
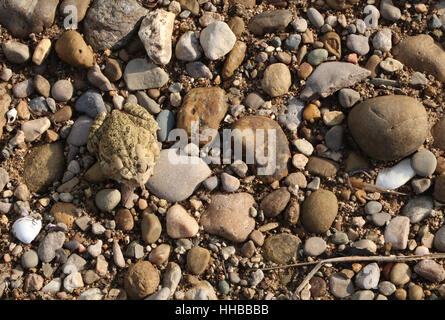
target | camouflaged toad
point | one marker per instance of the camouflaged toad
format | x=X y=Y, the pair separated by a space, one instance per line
x=126 y=144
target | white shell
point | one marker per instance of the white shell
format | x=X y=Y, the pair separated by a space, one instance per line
x=397 y=176
x=26 y=229
x=11 y=115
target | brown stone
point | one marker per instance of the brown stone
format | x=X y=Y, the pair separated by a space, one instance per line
x=5 y=101
x=292 y=213
x=72 y=49
x=248 y=4
x=190 y=5
x=236 y=24
x=206 y=106
x=281 y=248
x=275 y=202
x=439 y=188
x=234 y=59
x=305 y=70
x=228 y=216
x=423 y=54
x=141 y=280
x=64 y=212
x=245 y=134
x=44 y=165
x=94 y=174
x=341 y=4
x=389 y=127
x=198 y=259
x=372 y=65
x=160 y=254
x=22 y=110
x=322 y=167
x=276 y=80
x=355 y=161
x=113 y=70
x=319 y=211
x=179 y=223
x=42 y=85
x=150 y=228
x=124 y=220
x=311 y=113
x=269 y=22
x=438 y=132
x=63 y=114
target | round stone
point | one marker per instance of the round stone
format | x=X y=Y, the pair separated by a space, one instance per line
x=30 y=259
x=107 y=199
x=424 y=163
x=373 y=207
x=281 y=248
x=141 y=280
x=124 y=220
x=151 y=228
x=274 y=203
x=319 y=211
x=400 y=274
x=390 y=127
x=62 y=90
x=276 y=80
x=317 y=56
x=387 y=288
x=314 y=246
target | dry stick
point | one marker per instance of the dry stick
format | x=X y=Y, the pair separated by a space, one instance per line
x=352 y=259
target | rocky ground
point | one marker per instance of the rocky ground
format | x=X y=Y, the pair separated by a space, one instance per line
x=351 y=88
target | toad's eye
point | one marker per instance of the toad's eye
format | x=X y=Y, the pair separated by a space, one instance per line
x=141 y=166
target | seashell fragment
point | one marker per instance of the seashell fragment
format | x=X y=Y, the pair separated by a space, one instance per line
x=26 y=229
x=395 y=177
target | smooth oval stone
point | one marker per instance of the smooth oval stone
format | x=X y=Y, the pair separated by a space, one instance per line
x=319 y=211
x=91 y=103
x=269 y=22
x=79 y=132
x=423 y=54
x=166 y=121
x=424 y=163
x=389 y=127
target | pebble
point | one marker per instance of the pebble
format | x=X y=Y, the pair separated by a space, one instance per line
x=141 y=280
x=201 y=291
x=155 y=33
x=400 y=274
x=340 y=287
x=368 y=277
x=396 y=232
x=176 y=181
x=73 y=281
x=363 y=295
x=275 y=202
x=439 y=240
x=99 y=80
x=62 y=90
x=211 y=183
x=229 y=183
x=118 y=257
x=256 y=277
x=415 y=292
x=269 y=22
x=160 y=254
x=276 y=80
x=389 y=11
x=418 y=79
x=33 y=282
x=198 y=70
x=39 y=175
x=281 y=248
x=91 y=103
x=383 y=40
x=179 y=223
x=299 y=24
x=91 y=294
x=293 y=41
x=42 y=51
x=424 y=163
x=373 y=207
x=150 y=228
x=322 y=167
x=72 y=49
x=198 y=259
x=430 y=270
x=314 y=246
x=317 y=56
x=380 y=219
x=16 y=52
x=23 y=89
x=358 y=44
x=391 y=65
x=234 y=59
x=188 y=48
x=291 y=116
x=166 y=121
x=330 y=77
x=124 y=220
x=141 y=75
x=96 y=249
x=228 y=216
x=53 y=286
x=107 y=199
x=49 y=245
x=78 y=135
x=386 y=288
x=112 y=70
x=29 y=259
x=372 y=134
x=217 y=39
x=172 y=277
x=148 y=103
x=5 y=74
x=418 y=208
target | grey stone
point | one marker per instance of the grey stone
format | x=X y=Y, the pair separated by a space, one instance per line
x=340 y=287
x=382 y=40
x=315 y=17
x=387 y=288
x=389 y=11
x=91 y=294
x=418 y=208
x=217 y=39
x=141 y=75
x=30 y=259
x=358 y=44
x=49 y=245
x=334 y=138
x=396 y=232
x=167 y=122
x=439 y=239
x=380 y=219
x=424 y=163
x=79 y=132
x=16 y=52
x=420 y=185
x=289 y=117
x=368 y=277
x=348 y=97
x=198 y=70
x=148 y=103
x=187 y=47
x=91 y=103
x=373 y=207
x=363 y=295
x=107 y=199
x=430 y=270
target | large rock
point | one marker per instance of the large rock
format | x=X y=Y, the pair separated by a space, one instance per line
x=27 y=16
x=204 y=106
x=228 y=216
x=389 y=127
x=44 y=165
x=269 y=22
x=111 y=24
x=270 y=162
x=319 y=211
x=176 y=176
x=330 y=77
x=156 y=35
x=423 y=54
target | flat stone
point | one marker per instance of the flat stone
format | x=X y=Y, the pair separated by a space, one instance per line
x=322 y=167
x=269 y=22
x=358 y=44
x=198 y=70
x=16 y=52
x=418 y=208
x=64 y=212
x=275 y=202
x=383 y=40
x=314 y=246
x=368 y=277
x=281 y=248
x=48 y=246
x=177 y=176
x=340 y=287
x=188 y=48
x=396 y=232
x=430 y=270
x=141 y=75
x=330 y=77
x=228 y=216
x=33 y=129
x=111 y=24
x=79 y=131
x=389 y=127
